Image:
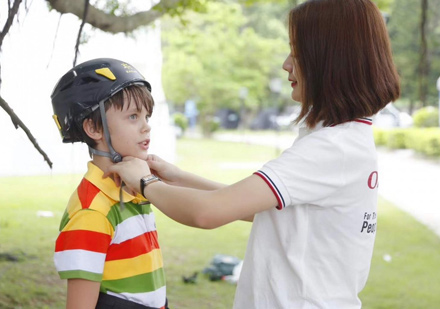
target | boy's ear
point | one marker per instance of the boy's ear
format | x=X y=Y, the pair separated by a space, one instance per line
x=91 y=130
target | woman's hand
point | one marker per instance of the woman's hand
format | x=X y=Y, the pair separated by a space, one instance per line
x=130 y=170
x=167 y=172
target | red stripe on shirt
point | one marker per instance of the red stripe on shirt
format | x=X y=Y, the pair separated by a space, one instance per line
x=83 y=240
x=86 y=193
x=279 y=206
x=364 y=121
x=139 y=245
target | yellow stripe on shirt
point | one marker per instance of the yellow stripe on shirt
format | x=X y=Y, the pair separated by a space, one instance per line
x=90 y=220
x=130 y=267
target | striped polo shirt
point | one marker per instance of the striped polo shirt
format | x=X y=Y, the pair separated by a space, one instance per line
x=99 y=241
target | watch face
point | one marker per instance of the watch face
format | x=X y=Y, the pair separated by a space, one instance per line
x=147 y=180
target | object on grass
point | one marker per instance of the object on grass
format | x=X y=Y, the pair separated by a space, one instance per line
x=387 y=258
x=190 y=279
x=233 y=279
x=222 y=266
x=45 y=213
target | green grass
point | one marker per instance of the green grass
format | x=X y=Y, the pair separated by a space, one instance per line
x=410 y=280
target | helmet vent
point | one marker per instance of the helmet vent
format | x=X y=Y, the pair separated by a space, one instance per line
x=88 y=80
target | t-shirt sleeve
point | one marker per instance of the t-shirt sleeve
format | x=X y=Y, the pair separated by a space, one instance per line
x=307 y=173
x=82 y=245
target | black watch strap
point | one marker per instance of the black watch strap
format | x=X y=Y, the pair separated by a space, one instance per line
x=146 y=180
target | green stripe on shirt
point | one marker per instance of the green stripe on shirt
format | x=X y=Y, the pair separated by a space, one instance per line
x=74 y=274
x=137 y=284
x=116 y=216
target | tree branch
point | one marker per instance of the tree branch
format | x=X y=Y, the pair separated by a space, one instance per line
x=78 y=39
x=11 y=15
x=111 y=23
x=18 y=123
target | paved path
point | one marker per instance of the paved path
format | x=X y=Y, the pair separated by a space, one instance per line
x=406 y=180
x=412 y=184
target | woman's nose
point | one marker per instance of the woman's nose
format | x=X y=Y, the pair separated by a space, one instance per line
x=288 y=64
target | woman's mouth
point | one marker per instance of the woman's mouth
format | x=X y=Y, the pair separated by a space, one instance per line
x=294 y=84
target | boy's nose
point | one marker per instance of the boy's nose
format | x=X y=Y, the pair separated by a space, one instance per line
x=146 y=126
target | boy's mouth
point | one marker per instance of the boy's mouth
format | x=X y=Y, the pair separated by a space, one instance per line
x=145 y=144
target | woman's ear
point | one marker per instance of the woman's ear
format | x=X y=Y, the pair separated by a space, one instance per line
x=91 y=130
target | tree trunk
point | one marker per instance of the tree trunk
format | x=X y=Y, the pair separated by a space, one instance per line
x=423 y=63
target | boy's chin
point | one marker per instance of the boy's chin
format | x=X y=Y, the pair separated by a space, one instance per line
x=141 y=156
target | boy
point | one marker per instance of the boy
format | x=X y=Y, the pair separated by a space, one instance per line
x=108 y=247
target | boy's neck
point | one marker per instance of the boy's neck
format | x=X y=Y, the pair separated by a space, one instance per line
x=102 y=162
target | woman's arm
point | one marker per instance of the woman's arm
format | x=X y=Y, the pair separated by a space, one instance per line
x=82 y=294
x=199 y=208
x=173 y=175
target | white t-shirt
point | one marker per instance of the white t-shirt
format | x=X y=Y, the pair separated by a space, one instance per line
x=315 y=250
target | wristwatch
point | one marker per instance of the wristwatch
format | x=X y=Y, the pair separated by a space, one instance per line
x=146 y=180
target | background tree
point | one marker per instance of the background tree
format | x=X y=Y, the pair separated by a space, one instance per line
x=414 y=31
x=212 y=56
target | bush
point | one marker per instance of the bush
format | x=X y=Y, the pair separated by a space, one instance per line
x=426 y=117
x=423 y=140
x=181 y=121
x=380 y=137
x=209 y=125
x=427 y=142
x=397 y=139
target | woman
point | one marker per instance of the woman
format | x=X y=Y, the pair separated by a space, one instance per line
x=314 y=207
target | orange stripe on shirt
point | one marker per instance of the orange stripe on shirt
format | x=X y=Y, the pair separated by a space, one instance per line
x=86 y=193
x=84 y=240
x=141 y=244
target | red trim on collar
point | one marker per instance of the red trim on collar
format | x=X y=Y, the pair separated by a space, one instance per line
x=364 y=120
x=361 y=120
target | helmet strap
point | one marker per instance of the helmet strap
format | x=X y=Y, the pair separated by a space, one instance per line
x=113 y=155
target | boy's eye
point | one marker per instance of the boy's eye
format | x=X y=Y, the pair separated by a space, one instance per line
x=147 y=118
x=133 y=116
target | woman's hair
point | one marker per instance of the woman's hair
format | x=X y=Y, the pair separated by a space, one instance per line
x=343 y=54
x=135 y=93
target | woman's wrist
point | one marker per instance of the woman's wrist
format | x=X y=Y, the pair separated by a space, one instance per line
x=146 y=181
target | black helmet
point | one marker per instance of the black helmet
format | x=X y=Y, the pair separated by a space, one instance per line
x=80 y=90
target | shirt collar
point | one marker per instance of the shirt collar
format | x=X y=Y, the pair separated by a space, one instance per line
x=108 y=187
x=305 y=130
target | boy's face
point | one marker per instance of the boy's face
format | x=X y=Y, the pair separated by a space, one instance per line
x=129 y=130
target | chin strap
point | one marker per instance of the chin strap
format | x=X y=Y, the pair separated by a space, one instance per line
x=113 y=155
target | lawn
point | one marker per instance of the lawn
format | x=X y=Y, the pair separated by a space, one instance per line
x=408 y=276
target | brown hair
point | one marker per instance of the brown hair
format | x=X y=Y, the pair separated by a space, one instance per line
x=135 y=93
x=343 y=55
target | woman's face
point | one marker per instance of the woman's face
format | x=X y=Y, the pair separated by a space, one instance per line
x=290 y=65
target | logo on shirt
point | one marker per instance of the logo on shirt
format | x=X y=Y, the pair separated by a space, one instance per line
x=369 y=224
x=373 y=180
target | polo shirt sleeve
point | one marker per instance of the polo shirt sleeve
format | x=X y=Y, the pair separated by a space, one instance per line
x=309 y=172
x=82 y=245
